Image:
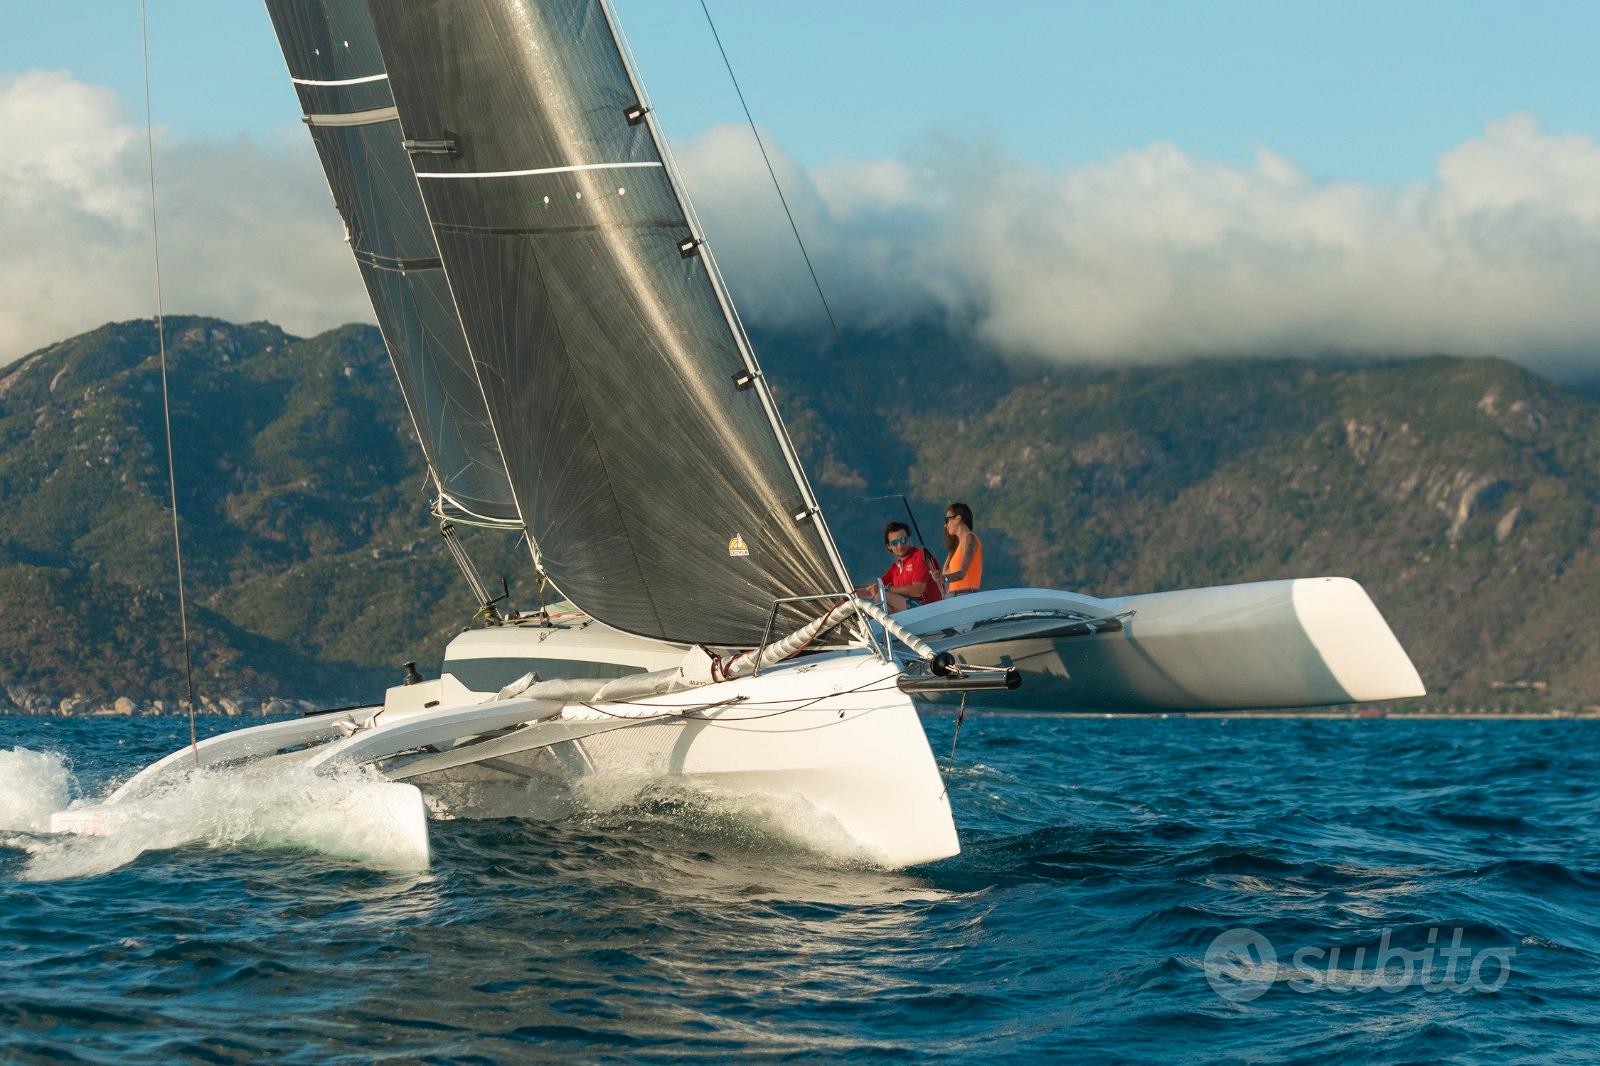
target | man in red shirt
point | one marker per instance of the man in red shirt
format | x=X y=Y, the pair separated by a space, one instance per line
x=913 y=579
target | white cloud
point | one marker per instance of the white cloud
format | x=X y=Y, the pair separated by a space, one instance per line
x=1155 y=254
x=248 y=231
x=1152 y=254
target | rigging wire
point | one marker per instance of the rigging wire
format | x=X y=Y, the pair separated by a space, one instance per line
x=950 y=765
x=166 y=401
x=961 y=716
x=772 y=173
x=906 y=503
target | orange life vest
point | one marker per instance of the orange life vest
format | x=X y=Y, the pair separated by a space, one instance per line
x=973 y=578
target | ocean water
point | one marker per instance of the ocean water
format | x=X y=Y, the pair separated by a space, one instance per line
x=1180 y=889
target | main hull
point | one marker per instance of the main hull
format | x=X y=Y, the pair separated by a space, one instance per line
x=829 y=739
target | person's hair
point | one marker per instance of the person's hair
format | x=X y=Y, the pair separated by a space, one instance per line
x=963 y=512
x=895 y=527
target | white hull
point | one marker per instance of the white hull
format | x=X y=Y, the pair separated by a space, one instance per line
x=1297 y=643
x=829 y=738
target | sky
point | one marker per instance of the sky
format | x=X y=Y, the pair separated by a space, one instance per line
x=1093 y=182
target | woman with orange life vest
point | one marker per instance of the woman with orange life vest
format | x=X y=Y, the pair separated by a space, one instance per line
x=963 y=569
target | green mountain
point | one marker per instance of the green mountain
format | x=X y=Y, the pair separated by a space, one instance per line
x=312 y=569
x=1462 y=493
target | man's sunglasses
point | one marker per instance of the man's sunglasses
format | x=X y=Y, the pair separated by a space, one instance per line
x=896 y=542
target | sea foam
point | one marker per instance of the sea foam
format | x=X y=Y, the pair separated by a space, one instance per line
x=350 y=816
x=33 y=786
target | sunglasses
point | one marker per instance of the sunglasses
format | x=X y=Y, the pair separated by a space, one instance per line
x=896 y=542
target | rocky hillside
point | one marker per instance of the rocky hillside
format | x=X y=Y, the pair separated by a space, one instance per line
x=312 y=568
x=1462 y=493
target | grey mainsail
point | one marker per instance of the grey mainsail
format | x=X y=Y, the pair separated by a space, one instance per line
x=657 y=485
x=344 y=93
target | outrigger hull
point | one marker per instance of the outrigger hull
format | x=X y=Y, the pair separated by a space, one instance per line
x=1270 y=644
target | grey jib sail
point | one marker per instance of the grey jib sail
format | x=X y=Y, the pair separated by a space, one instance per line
x=335 y=65
x=658 y=491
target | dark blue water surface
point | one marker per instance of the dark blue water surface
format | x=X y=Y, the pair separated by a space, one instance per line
x=1103 y=859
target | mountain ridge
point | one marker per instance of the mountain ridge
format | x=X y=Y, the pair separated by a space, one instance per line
x=1462 y=492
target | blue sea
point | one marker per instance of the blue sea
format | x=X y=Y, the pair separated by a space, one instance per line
x=1131 y=889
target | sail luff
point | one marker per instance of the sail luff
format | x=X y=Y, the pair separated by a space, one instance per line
x=725 y=299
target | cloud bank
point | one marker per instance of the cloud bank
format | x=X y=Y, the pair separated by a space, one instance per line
x=1153 y=254
x=1157 y=255
x=248 y=231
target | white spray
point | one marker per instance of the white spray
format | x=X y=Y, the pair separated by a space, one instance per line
x=352 y=816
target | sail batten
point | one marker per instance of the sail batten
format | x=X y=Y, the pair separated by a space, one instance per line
x=572 y=168
x=354 y=118
x=370 y=78
x=659 y=495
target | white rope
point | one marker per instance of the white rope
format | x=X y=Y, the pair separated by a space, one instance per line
x=166 y=402
x=898 y=631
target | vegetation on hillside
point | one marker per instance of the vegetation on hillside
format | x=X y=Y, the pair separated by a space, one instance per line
x=1462 y=493
x=312 y=566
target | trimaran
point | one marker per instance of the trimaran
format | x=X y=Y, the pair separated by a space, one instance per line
x=576 y=373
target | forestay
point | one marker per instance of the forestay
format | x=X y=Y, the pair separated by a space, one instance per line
x=657 y=485
x=344 y=92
